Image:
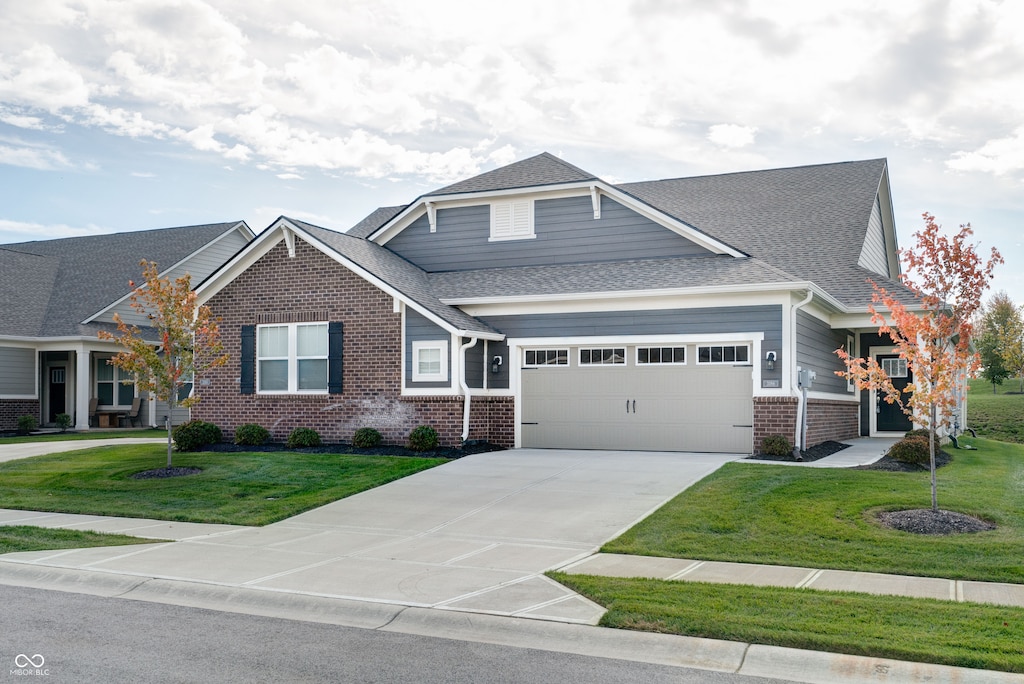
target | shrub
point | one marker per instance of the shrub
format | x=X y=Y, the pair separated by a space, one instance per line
x=423 y=438
x=194 y=435
x=63 y=421
x=777 y=445
x=925 y=434
x=27 y=424
x=366 y=438
x=913 y=449
x=251 y=434
x=303 y=438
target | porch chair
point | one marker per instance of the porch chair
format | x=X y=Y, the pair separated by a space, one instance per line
x=133 y=415
x=93 y=405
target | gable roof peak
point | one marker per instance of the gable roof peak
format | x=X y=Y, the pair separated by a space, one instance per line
x=541 y=169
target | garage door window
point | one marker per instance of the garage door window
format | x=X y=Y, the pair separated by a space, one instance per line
x=650 y=356
x=546 y=357
x=614 y=356
x=730 y=353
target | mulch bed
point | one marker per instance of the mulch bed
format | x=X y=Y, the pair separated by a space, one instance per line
x=816 y=452
x=471 y=447
x=927 y=521
x=160 y=473
x=894 y=466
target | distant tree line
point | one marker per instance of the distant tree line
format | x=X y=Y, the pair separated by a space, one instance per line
x=1000 y=340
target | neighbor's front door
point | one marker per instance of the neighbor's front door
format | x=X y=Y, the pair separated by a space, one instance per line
x=58 y=397
x=890 y=417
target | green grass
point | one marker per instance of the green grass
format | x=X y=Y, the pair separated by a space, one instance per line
x=996 y=416
x=923 y=630
x=76 y=436
x=234 y=488
x=26 y=538
x=825 y=518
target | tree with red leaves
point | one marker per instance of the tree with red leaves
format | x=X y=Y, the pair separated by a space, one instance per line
x=948 y=279
x=189 y=339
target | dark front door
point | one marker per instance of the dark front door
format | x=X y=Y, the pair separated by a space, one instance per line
x=58 y=397
x=890 y=417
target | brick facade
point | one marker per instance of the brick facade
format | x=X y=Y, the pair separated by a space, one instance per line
x=312 y=286
x=826 y=420
x=12 y=409
x=832 y=420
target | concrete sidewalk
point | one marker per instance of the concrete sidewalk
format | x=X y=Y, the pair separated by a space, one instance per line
x=13 y=452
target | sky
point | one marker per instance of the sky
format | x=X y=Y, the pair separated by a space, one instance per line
x=119 y=115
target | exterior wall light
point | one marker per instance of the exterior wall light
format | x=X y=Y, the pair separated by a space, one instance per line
x=496 y=364
x=769 y=361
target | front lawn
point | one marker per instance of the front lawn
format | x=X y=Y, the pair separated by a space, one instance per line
x=920 y=630
x=27 y=538
x=996 y=416
x=824 y=518
x=78 y=436
x=234 y=488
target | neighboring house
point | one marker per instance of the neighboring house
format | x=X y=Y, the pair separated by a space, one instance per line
x=537 y=305
x=55 y=295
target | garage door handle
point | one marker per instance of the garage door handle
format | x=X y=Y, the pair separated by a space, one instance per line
x=634 y=406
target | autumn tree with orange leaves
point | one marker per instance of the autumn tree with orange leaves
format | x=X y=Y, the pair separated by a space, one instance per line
x=948 y=279
x=189 y=339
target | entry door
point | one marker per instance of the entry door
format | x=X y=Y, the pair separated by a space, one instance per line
x=890 y=417
x=58 y=395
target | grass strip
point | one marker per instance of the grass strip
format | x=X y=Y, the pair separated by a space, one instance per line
x=234 y=488
x=996 y=415
x=28 y=538
x=826 y=518
x=920 y=630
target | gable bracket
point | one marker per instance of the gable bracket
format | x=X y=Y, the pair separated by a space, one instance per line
x=289 y=241
x=432 y=216
x=595 y=200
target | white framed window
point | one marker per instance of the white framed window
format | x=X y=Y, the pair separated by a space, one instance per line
x=653 y=356
x=430 y=361
x=605 y=356
x=114 y=386
x=723 y=353
x=895 y=368
x=512 y=220
x=545 y=357
x=292 y=358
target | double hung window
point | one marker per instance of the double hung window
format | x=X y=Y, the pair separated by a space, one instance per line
x=292 y=358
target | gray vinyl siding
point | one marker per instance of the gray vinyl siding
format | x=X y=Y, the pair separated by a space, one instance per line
x=199 y=267
x=872 y=254
x=475 y=364
x=498 y=380
x=419 y=329
x=566 y=233
x=180 y=415
x=708 y=321
x=17 y=372
x=816 y=349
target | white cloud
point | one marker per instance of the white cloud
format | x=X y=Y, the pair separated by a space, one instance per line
x=1000 y=156
x=289 y=176
x=731 y=135
x=38 y=77
x=20 y=230
x=36 y=157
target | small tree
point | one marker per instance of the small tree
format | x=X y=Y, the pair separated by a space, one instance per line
x=937 y=342
x=1000 y=329
x=184 y=343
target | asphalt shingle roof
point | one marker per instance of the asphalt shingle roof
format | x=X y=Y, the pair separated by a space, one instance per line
x=402 y=275
x=616 y=276
x=48 y=287
x=542 y=169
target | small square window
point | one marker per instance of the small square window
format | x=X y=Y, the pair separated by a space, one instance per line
x=546 y=357
x=612 y=356
x=728 y=353
x=660 y=355
x=430 y=361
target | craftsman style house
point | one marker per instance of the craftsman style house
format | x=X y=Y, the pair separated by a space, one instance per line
x=537 y=305
x=55 y=295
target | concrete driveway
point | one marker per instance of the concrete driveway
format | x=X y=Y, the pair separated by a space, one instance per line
x=475 y=534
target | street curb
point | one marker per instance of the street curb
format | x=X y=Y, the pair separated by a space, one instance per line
x=811 y=667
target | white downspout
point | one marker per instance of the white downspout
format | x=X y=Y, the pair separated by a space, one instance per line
x=465 y=386
x=801 y=431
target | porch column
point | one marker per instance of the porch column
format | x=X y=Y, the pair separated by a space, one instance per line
x=82 y=389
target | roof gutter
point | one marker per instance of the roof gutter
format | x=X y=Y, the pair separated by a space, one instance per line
x=801 y=403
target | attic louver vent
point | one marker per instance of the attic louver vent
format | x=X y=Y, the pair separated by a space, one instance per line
x=512 y=220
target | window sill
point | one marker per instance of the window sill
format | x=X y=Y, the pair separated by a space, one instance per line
x=511 y=238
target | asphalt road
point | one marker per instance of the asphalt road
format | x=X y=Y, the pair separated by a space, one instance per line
x=63 y=637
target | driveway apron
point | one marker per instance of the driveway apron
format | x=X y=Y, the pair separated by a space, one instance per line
x=474 y=534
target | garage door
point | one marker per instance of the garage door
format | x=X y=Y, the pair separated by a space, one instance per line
x=617 y=398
